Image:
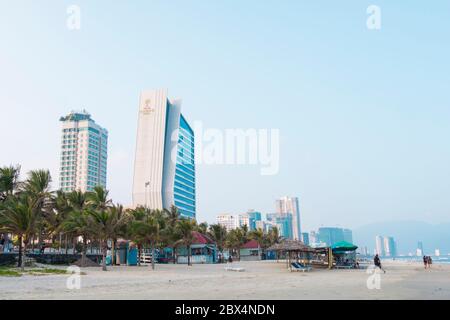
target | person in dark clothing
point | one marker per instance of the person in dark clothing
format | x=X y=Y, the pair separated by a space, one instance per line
x=425 y=261
x=230 y=259
x=377 y=262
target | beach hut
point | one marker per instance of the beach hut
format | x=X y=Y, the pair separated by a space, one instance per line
x=251 y=251
x=203 y=250
x=292 y=251
x=344 y=255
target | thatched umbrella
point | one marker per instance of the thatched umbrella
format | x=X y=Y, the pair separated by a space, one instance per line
x=290 y=246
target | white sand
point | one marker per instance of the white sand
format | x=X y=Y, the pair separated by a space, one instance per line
x=261 y=280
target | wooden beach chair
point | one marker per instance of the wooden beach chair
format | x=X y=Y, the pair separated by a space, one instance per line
x=295 y=266
x=234 y=268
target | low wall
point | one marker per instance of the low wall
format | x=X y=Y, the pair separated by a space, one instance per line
x=201 y=259
x=47 y=258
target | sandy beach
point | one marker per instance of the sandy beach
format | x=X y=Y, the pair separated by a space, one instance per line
x=260 y=280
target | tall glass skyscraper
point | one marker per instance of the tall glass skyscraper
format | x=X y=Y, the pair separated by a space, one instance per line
x=84 y=153
x=164 y=168
x=290 y=205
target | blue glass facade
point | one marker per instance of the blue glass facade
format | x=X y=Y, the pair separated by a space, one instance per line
x=184 y=186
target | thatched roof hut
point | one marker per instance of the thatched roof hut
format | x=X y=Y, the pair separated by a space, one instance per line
x=293 y=249
x=288 y=245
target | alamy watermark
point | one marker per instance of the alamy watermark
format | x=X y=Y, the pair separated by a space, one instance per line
x=374 y=20
x=73 y=21
x=256 y=147
x=374 y=280
x=73 y=282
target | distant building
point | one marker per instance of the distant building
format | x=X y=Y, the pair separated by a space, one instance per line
x=164 y=166
x=313 y=237
x=269 y=225
x=332 y=235
x=260 y=225
x=84 y=153
x=254 y=216
x=390 y=249
x=244 y=220
x=348 y=235
x=284 y=224
x=419 y=251
x=229 y=221
x=379 y=246
x=364 y=251
x=290 y=206
x=305 y=238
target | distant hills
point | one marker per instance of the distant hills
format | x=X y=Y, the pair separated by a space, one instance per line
x=407 y=234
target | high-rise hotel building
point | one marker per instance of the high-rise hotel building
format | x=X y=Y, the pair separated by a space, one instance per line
x=289 y=205
x=164 y=167
x=84 y=153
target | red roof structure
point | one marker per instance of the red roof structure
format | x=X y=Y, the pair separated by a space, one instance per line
x=201 y=238
x=252 y=244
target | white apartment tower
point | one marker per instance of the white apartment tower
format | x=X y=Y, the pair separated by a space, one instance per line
x=230 y=222
x=379 y=246
x=84 y=153
x=289 y=205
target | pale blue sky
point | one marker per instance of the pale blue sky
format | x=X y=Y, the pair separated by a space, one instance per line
x=364 y=115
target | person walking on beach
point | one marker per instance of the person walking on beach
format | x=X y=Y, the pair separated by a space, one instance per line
x=377 y=263
x=425 y=261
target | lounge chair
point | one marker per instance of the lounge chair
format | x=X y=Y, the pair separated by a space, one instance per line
x=295 y=266
x=234 y=268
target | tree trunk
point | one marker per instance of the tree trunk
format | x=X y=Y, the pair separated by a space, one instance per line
x=113 y=252
x=139 y=255
x=173 y=254
x=22 y=267
x=104 y=258
x=83 y=254
x=153 y=257
x=189 y=255
x=19 y=264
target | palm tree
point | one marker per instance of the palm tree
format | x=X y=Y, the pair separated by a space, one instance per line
x=79 y=224
x=76 y=201
x=184 y=229
x=98 y=198
x=106 y=225
x=121 y=219
x=258 y=236
x=37 y=187
x=99 y=204
x=62 y=208
x=232 y=242
x=236 y=239
x=147 y=229
x=273 y=236
x=136 y=230
x=9 y=180
x=169 y=235
x=219 y=234
x=103 y=225
x=19 y=216
x=203 y=227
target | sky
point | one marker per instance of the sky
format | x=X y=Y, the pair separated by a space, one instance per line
x=363 y=114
